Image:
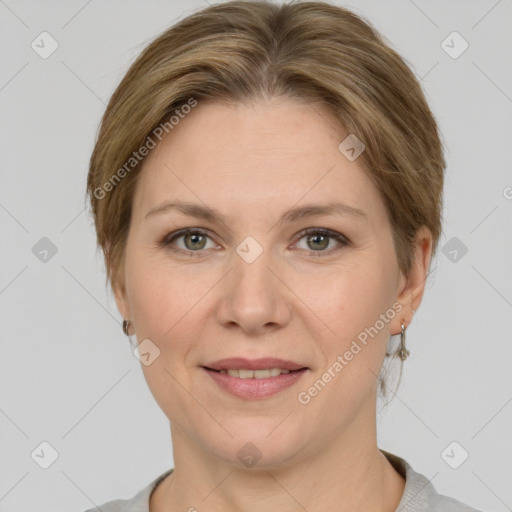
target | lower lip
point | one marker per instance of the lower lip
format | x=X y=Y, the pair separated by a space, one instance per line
x=255 y=389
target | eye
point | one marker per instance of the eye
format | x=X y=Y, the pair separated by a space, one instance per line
x=192 y=240
x=319 y=239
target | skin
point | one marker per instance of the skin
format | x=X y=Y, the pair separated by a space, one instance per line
x=302 y=299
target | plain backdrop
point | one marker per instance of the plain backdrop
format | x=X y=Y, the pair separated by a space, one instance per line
x=68 y=377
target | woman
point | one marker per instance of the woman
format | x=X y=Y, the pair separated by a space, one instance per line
x=266 y=187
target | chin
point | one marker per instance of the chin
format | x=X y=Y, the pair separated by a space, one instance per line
x=254 y=446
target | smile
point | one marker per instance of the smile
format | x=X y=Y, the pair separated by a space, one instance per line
x=254 y=379
x=255 y=374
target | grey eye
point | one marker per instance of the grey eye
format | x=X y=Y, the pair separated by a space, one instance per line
x=317 y=242
x=194 y=241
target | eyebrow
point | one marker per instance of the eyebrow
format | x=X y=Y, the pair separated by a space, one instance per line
x=292 y=215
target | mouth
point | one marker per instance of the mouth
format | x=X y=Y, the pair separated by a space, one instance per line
x=254 y=379
x=244 y=373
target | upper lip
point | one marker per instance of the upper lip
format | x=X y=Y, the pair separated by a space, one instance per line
x=236 y=363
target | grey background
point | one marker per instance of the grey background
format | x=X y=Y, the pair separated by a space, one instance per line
x=67 y=374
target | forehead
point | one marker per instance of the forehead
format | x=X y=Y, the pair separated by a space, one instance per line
x=258 y=153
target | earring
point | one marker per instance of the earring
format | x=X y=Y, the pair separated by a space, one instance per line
x=403 y=352
x=126 y=327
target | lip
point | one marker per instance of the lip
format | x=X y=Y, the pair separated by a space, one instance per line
x=234 y=363
x=254 y=389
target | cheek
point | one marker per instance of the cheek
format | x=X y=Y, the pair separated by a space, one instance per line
x=358 y=311
x=168 y=307
x=172 y=304
x=169 y=300
x=353 y=298
x=165 y=303
x=164 y=295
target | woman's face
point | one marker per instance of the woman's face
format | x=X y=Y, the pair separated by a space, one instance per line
x=253 y=285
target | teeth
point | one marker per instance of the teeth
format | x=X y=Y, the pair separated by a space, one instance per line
x=245 y=374
x=255 y=374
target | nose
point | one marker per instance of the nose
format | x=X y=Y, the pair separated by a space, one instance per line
x=254 y=297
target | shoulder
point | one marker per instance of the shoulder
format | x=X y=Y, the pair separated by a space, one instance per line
x=137 y=503
x=419 y=493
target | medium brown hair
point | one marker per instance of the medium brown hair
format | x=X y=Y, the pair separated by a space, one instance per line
x=244 y=50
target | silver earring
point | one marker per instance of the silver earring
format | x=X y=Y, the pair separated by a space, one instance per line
x=126 y=327
x=403 y=352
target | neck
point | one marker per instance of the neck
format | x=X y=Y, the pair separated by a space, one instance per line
x=346 y=473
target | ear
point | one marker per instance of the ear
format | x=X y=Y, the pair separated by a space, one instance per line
x=412 y=286
x=119 y=290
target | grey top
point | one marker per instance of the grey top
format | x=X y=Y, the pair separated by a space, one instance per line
x=419 y=494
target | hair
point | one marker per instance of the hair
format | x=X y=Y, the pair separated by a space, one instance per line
x=240 y=51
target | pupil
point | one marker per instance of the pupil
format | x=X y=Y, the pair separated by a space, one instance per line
x=316 y=237
x=195 y=238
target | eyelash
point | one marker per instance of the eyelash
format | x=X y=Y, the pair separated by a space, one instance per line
x=170 y=238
